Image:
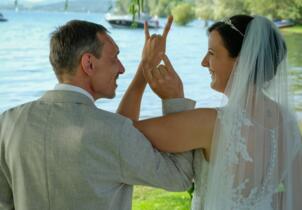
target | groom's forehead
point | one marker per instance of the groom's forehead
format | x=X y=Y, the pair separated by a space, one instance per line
x=108 y=41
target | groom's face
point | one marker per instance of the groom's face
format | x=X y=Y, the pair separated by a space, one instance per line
x=218 y=61
x=107 y=68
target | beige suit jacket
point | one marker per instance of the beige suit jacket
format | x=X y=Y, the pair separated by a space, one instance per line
x=61 y=152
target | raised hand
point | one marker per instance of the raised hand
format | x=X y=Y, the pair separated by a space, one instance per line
x=170 y=86
x=162 y=79
x=151 y=52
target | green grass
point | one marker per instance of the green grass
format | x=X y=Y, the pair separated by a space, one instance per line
x=294 y=29
x=147 y=198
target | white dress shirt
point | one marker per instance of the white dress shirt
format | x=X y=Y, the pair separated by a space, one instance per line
x=68 y=87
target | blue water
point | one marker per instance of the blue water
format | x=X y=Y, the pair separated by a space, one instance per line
x=25 y=72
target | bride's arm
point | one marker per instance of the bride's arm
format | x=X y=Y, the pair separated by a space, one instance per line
x=181 y=131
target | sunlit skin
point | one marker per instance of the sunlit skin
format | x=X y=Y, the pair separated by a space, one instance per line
x=189 y=130
x=107 y=68
x=131 y=101
x=218 y=61
x=182 y=131
x=98 y=76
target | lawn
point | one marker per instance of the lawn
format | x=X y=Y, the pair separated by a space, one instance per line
x=294 y=29
x=147 y=198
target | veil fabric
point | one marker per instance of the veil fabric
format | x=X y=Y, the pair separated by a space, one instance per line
x=256 y=156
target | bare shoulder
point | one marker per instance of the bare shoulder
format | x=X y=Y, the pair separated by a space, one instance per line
x=272 y=112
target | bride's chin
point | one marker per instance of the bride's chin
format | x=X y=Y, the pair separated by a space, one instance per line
x=214 y=87
x=213 y=83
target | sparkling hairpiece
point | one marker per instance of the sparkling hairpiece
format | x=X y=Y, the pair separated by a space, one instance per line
x=229 y=22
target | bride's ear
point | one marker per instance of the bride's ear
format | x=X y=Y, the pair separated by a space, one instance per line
x=86 y=64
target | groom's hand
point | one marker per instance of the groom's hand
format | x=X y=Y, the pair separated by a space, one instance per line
x=155 y=45
x=164 y=81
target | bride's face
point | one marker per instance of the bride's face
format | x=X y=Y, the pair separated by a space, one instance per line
x=218 y=61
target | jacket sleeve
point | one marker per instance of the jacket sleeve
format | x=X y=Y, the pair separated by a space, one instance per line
x=141 y=164
x=6 y=198
x=177 y=105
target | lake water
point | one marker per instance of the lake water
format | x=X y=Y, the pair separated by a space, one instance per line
x=25 y=72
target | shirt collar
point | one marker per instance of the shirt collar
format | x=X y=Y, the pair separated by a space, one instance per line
x=68 y=87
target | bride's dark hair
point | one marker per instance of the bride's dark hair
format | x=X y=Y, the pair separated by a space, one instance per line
x=233 y=39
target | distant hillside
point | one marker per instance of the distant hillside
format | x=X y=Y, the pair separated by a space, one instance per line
x=75 y=5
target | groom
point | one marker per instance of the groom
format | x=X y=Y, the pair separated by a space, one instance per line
x=62 y=152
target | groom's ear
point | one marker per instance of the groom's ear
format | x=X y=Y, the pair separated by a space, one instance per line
x=87 y=64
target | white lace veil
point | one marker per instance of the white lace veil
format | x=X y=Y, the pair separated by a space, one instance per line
x=256 y=157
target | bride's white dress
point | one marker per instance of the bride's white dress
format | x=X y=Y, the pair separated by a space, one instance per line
x=256 y=149
x=258 y=200
x=201 y=167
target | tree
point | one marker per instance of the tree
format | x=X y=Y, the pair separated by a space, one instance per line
x=183 y=13
x=204 y=10
x=277 y=9
x=264 y=7
x=227 y=8
x=162 y=8
x=290 y=9
x=218 y=9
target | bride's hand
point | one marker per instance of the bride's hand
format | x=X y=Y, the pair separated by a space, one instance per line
x=163 y=80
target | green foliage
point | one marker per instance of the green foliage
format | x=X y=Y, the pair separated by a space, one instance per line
x=204 y=9
x=183 y=13
x=160 y=8
x=122 y=6
x=291 y=9
x=257 y=7
x=283 y=9
x=217 y=9
x=227 y=8
x=147 y=198
x=135 y=7
x=163 y=8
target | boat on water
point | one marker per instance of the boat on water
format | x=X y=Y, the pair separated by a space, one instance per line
x=284 y=23
x=126 y=21
x=2 y=18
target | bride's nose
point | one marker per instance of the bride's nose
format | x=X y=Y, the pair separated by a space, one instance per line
x=205 y=61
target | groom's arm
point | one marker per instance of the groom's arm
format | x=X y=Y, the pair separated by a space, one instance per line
x=177 y=105
x=131 y=101
x=6 y=197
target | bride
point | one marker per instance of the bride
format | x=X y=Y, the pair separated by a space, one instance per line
x=250 y=155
